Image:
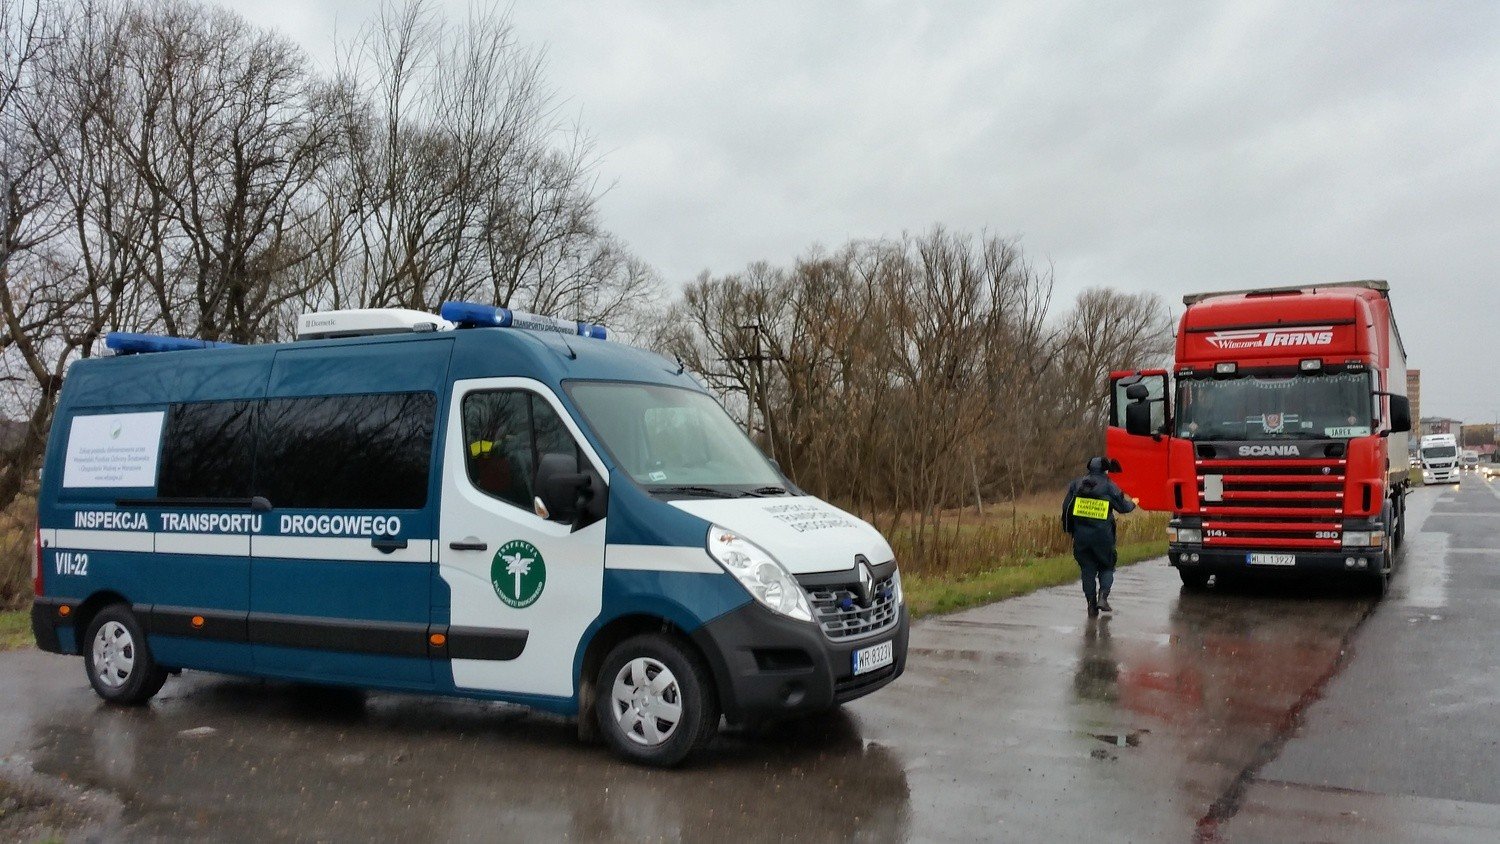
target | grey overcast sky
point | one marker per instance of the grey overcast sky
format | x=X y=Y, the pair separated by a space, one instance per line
x=1174 y=147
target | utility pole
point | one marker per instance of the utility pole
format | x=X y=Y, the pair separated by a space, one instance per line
x=756 y=391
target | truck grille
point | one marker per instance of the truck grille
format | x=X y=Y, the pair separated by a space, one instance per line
x=1291 y=503
x=837 y=610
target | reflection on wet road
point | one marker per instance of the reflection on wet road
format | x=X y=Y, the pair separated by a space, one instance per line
x=1228 y=714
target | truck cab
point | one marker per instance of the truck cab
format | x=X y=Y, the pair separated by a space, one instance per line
x=1278 y=438
x=1438 y=454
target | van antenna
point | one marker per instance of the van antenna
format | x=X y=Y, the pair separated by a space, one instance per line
x=572 y=355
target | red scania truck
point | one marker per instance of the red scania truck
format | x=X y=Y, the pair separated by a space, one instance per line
x=1278 y=440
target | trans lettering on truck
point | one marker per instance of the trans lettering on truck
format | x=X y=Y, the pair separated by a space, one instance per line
x=341 y=525
x=1265 y=338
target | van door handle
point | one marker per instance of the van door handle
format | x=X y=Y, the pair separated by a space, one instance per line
x=386 y=546
x=469 y=545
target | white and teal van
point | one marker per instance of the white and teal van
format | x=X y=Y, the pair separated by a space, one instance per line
x=485 y=504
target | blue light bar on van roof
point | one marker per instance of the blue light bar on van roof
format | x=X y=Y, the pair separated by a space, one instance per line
x=473 y=314
x=127 y=343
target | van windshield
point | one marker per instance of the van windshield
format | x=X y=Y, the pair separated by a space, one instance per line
x=675 y=441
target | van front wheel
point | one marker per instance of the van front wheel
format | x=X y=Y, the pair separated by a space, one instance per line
x=656 y=701
x=118 y=659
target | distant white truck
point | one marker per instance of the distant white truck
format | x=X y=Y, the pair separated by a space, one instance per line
x=1439 y=456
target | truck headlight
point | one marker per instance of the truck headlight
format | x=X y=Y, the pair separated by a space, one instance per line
x=1364 y=538
x=766 y=579
x=1185 y=535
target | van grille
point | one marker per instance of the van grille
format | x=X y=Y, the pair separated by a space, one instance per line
x=837 y=610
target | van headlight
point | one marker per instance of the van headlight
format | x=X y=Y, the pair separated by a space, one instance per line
x=896 y=585
x=766 y=579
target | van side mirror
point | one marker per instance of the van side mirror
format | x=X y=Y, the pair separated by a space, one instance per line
x=1138 y=417
x=1400 y=414
x=566 y=493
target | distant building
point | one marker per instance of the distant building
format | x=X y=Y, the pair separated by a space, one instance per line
x=1441 y=425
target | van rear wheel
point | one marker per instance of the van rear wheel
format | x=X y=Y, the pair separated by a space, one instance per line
x=656 y=703
x=118 y=658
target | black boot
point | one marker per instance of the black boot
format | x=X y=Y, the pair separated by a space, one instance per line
x=1104 y=603
x=1093 y=609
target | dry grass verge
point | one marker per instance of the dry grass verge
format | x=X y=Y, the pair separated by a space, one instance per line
x=932 y=595
x=966 y=545
x=15 y=629
x=17 y=540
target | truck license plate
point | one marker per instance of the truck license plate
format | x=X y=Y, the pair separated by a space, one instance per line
x=1272 y=559
x=873 y=657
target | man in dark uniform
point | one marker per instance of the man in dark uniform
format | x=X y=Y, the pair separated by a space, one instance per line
x=1089 y=517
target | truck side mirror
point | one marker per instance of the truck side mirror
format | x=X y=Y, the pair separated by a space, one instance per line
x=1114 y=467
x=1400 y=414
x=1138 y=417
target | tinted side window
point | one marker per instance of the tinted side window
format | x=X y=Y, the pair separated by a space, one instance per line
x=346 y=452
x=209 y=450
x=508 y=434
x=497 y=444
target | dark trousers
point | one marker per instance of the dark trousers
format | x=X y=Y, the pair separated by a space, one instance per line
x=1096 y=564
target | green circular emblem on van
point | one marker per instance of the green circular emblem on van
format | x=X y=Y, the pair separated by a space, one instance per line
x=518 y=573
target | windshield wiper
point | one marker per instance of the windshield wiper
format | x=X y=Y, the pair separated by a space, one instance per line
x=705 y=491
x=767 y=490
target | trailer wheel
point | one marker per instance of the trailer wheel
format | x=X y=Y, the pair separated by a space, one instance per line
x=1193 y=579
x=118 y=658
x=655 y=700
x=1400 y=510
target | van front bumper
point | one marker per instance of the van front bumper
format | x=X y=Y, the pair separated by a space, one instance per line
x=768 y=666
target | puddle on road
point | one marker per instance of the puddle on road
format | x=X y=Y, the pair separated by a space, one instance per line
x=393 y=767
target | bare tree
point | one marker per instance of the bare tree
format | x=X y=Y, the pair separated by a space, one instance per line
x=907 y=378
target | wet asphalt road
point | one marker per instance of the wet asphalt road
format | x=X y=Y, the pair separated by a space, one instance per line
x=1293 y=712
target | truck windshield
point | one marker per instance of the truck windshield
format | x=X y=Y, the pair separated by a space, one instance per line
x=675 y=441
x=1440 y=452
x=1259 y=407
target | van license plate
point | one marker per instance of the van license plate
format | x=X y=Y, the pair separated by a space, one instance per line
x=1272 y=559
x=873 y=657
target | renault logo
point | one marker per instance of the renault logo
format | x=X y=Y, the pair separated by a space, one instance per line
x=866 y=581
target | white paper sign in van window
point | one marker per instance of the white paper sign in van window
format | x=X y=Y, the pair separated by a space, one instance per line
x=113 y=450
